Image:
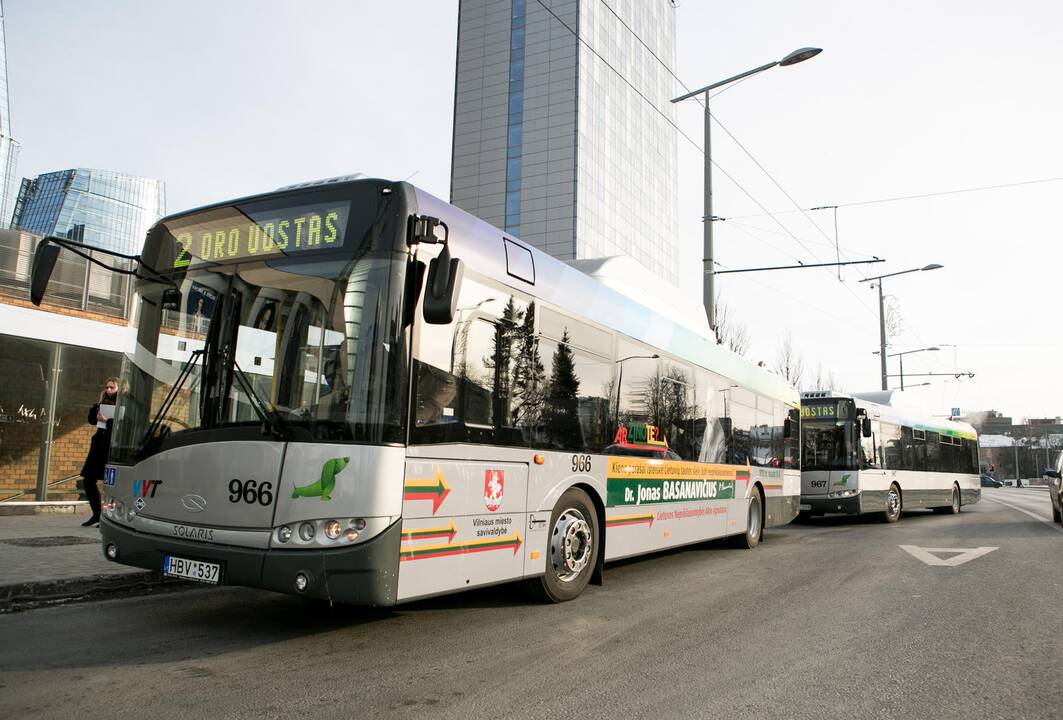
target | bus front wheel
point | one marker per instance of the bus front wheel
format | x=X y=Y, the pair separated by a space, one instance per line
x=572 y=550
x=892 y=513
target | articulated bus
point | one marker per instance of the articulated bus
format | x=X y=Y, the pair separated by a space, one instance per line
x=860 y=454
x=357 y=392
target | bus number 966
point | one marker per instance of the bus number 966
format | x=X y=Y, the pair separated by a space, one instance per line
x=581 y=463
x=250 y=492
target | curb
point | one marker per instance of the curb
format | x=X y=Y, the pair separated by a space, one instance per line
x=29 y=595
x=23 y=507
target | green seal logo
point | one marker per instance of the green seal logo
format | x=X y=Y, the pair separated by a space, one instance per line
x=325 y=484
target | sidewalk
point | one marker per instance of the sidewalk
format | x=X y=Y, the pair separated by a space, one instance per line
x=49 y=558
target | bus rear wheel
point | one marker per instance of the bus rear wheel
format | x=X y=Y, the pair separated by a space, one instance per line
x=573 y=548
x=754 y=524
x=954 y=506
x=892 y=513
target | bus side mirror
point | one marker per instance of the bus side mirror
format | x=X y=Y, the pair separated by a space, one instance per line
x=444 y=282
x=865 y=426
x=44 y=258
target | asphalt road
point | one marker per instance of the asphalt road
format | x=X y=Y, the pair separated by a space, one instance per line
x=831 y=619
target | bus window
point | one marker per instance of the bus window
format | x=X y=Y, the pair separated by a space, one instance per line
x=576 y=413
x=889 y=442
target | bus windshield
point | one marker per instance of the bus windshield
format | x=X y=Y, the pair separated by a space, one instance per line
x=828 y=435
x=300 y=346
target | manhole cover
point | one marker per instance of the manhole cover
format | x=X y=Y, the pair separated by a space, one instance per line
x=51 y=541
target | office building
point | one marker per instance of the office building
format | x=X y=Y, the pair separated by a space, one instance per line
x=568 y=142
x=8 y=147
x=104 y=209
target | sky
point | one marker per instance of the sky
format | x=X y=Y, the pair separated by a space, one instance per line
x=224 y=99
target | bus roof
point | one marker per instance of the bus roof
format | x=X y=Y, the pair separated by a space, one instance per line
x=882 y=405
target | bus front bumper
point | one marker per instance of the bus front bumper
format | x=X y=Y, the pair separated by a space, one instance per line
x=362 y=574
x=851 y=505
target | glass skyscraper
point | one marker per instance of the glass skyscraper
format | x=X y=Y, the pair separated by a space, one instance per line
x=552 y=144
x=8 y=147
x=104 y=209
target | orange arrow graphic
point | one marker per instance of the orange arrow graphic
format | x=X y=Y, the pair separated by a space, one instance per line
x=620 y=520
x=448 y=532
x=421 y=552
x=435 y=490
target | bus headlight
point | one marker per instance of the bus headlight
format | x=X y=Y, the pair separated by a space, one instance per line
x=358 y=524
x=332 y=529
x=284 y=534
x=351 y=535
x=306 y=532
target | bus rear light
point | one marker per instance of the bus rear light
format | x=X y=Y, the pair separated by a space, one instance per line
x=332 y=529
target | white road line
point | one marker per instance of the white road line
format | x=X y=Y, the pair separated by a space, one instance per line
x=1046 y=521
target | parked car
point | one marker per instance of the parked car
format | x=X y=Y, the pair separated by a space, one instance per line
x=1055 y=490
x=990 y=481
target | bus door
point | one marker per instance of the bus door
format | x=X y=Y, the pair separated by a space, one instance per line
x=463 y=523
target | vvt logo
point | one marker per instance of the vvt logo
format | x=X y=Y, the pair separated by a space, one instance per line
x=145 y=488
x=194 y=503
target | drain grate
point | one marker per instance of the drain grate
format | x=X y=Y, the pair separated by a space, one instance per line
x=51 y=541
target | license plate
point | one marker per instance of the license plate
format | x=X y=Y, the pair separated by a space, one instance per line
x=804 y=506
x=196 y=570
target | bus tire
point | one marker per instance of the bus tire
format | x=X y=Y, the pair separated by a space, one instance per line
x=572 y=550
x=894 y=504
x=754 y=524
x=953 y=508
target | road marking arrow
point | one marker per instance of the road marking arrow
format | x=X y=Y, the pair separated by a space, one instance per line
x=447 y=532
x=435 y=489
x=421 y=552
x=959 y=555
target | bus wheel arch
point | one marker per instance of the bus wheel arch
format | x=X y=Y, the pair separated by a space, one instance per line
x=573 y=546
x=598 y=576
x=955 y=502
x=755 y=514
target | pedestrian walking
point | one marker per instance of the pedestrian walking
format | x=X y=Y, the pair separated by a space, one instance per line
x=102 y=416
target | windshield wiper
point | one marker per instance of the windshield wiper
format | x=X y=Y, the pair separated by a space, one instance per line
x=155 y=427
x=272 y=422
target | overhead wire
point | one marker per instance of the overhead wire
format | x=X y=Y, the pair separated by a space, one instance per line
x=920 y=196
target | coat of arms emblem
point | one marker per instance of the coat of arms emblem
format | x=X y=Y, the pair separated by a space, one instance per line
x=494 y=486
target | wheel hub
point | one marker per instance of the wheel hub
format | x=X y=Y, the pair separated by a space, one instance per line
x=570 y=545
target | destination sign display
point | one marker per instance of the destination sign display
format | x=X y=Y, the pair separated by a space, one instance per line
x=837 y=410
x=238 y=233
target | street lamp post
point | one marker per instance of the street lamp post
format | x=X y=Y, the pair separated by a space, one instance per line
x=908 y=352
x=707 y=258
x=882 y=313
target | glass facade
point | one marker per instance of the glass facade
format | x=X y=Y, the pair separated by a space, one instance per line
x=8 y=147
x=108 y=210
x=553 y=145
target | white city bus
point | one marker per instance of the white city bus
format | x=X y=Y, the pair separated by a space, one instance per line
x=306 y=409
x=860 y=454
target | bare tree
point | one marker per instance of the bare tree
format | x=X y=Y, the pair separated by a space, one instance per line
x=729 y=331
x=789 y=363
